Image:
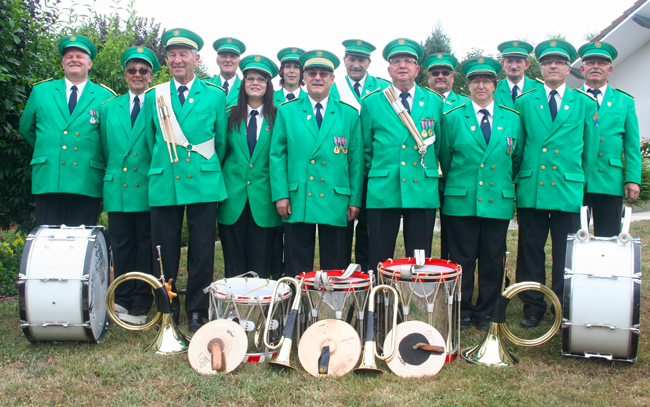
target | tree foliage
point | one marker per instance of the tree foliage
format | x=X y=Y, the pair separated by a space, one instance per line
x=438 y=41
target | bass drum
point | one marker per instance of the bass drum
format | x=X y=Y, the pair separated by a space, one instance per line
x=64 y=277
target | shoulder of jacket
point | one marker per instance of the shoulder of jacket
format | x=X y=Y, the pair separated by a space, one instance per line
x=585 y=93
x=346 y=103
x=104 y=102
x=525 y=93
x=39 y=82
x=107 y=88
x=288 y=101
x=376 y=90
x=455 y=108
x=433 y=91
x=212 y=84
x=540 y=80
x=624 y=92
x=230 y=107
x=507 y=108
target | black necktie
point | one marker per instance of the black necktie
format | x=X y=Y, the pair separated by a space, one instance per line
x=595 y=92
x=290 y=96
x=356 y=89
x=405 y=100
x=73 y=99
x=181 y=93
x=515 y=90
x=319 y=116
x=251 y=132
x=226 y=87
x=136 y=110
x=552 y=104
x=485 y=125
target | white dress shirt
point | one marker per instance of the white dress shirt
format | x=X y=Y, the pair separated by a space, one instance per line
x=323 y=104
x=410 y=97
x=558 y=96
x=479 y=116
x=68 y=90
x=602 y=93
x=189 y=87
x=362 y=83
x=296 y=93
x=132 y=100
x=519 y=84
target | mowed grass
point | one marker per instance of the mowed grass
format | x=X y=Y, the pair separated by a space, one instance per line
x=117 y=372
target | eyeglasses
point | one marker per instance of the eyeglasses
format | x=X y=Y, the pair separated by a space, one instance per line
x=407 y=61
x=557 y=62
x=322 y=74
x=437 y=73
x=250 y=79
x=133 y=71
x=483 y=82
x=592 y=62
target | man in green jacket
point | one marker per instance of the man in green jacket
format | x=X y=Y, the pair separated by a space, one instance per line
x=61 y=123
x=229 y=51
x=316 y=169
x=618 y=128
x=185 y=172
x=515 y=62
x=560 y=144
x=126 y=184
x=399 y=185
x=479 y=157
x=291 y=74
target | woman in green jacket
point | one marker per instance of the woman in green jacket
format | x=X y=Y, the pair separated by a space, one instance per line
x=248 y=219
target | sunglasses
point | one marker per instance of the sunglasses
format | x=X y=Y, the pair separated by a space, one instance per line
x=133 y=71
x=437 y=73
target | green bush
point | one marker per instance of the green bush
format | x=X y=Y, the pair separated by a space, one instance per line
x=11 y=252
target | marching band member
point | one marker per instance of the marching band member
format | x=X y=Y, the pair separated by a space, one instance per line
x=61 y=123
x=479 y=157
x=187 y=148
x=248 y=219
x=229 y=51
x=291 y=74
x=126 y=185
x=515 y=62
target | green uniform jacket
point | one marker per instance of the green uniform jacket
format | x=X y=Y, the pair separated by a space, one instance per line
x=126 y=184
x=304 y=168
x=556 y=154
x=278 y=96
x=454 y=99
x=193 y=179
x=479 y=175
x=371 y=84
x=67 y=151
x=503 y=96
x=247 y=178
x=618 y=128
x=396 y=179
x=233 y=93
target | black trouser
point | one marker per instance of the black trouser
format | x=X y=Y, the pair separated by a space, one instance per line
x=361 y=245
x=247 y=246
x=67 y=209
x=606 y=210
x=444 y=246
x=277 y=258
x=130 y=237
x=166 y=227
x=534 y=225
x=473 y=238
x=300 y=243
x=383 y=227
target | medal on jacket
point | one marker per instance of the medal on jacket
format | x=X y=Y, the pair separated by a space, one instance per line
x=92 y=116
x=337 y=149
x=596 y=119
x=431 y=127
x=424 y=127
x=344 y=149
x=509 y=142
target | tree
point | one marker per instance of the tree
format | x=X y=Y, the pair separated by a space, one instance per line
x=438 y=41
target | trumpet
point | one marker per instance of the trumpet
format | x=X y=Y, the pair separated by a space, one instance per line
x=287 y=334
x=368 y=362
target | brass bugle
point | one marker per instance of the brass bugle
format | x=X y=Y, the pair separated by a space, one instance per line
x=368 y=362
x=287 y=334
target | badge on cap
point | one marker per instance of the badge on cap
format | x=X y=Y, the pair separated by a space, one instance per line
x=515 y=43
x=598 y=45
x=73 y=38
x=481 y=60
x=439 y=56
x=553 y=43
x=140 y=49
x=294 y=50
x=229 y=40
x=258 y=58
x=359 y=42
x=401 y=41
x=177 y=32
x=319 y=53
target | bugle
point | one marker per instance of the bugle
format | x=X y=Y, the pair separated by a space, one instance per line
x=287 y=334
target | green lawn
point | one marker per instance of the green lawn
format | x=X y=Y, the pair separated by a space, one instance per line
x=118 y=372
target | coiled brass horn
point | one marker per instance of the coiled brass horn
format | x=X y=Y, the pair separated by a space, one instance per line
x=169 y=339
x=368 y=362
x=287 y=334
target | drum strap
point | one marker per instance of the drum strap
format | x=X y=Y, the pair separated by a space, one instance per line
x=323 y=281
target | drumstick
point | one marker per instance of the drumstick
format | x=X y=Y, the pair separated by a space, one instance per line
x=163 y=129
x=253 y=290
x=169 y=130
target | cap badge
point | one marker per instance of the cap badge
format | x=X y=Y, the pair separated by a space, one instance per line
x=294 y=50
x=229 y=40
x=515 y=43
x=598 y=44
x=359 y=42
x=401 y=41
x=439 y=56
x=553 y=43
x=481 y=60
x=319 y=53
x=140 y=49
x=73 y=38
x=177 y=32
x=258 y=58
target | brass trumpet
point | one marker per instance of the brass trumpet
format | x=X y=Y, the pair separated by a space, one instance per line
x=169 y=339
x=368 y=362
x=287 y=334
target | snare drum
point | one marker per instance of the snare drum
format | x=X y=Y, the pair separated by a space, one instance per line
x=63 y=283
x=245 y=300
x=602 y=294
x=429 y=293
x=328 y=296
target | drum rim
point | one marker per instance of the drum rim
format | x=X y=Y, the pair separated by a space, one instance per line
x=424 y=275
x=337 y=285
x=249 y=299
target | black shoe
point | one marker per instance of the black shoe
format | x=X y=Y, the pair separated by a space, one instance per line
x=465 y=323
x=530 y=321
x=138 y=311
x=483 y=325
x=196 y=322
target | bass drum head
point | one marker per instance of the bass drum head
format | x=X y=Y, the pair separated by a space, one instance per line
x=97 y=267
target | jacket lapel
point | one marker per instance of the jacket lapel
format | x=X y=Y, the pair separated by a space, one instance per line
x=564 y=110
x=542 y=108
x=328 y=122
x=608 y=102
x=87 y=97
x=125 y=114
x=242 y=139
x=473 y=127
x=497 y=131
x=262 y=140
x=138 y=128
x=193 y=98
x=61 y=100
x=308 y=117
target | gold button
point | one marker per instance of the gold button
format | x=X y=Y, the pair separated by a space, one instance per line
x=63 y=163
x=403 y=146
x=311 y=178
x=177 y=177
x=124 y=185
x=555 y=167
x=135 y=154
x=543 y=167
x=602 y=139
x=324 y=163
x=321 y=195
x=541 y=183
x=482 y=165
x=403 y=179
x=137 y=185
x=309 y=194
x=125 y=169
x=415 y=180
x=480 y=199
x=187 y=160
x=75 y=164
x=492 y=184
x=75 y=149
x=189 y=176
x=491 y=200
x=250 y=166
x=600 y=170
x=322 y=179
x=66 y=132
x=600 y=154
x=415 y=164
x=552 y=184
x=493 y=167
x=135 y=169
x=557 y=151
x=76 y=134
x=64 y=147
x=415 y=147
x=313 y=161
x=544 y=150
x=403 y=163
x=480 y=182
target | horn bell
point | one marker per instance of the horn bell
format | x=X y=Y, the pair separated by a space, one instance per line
x=491 y=352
